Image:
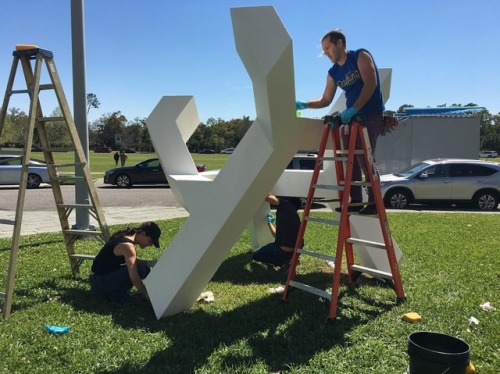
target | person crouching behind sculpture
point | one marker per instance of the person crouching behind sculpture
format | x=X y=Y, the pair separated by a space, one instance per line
x=279 y=253
x=116 y=268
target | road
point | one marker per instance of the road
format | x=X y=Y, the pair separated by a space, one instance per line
x=41 y=199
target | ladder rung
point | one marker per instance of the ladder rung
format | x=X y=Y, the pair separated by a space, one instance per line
x=346 y=151
x=50 y=119
x=66 y=165
x=360 y=183
x=69 y=177
x=315 y=254
x=82 y=257
x=323 y=220
x=374 y=272
x=328 y=187
x=88 y=206
x=310 y=289
x=366 y=242
x=13 y=92
x=57 y=149
x=83 y=232
x=47 y=86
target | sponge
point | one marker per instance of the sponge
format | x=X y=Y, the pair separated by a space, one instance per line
x=411 y=317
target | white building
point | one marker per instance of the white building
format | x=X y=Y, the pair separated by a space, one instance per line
x=428 y=133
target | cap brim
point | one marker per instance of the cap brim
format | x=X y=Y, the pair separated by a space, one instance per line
x=156 y=243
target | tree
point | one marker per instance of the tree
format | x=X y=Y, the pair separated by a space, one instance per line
x=92 y=102
x=106 y=127
x=14 y=128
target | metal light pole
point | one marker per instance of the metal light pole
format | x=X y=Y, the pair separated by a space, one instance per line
x=80 y=107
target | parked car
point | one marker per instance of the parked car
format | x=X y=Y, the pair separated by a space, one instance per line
x=146 y=172
x=227 y=151
x=10 y=171
x=444 y=181
x=488 y=154
x=303 y=162
x=103 y=150
x=206 y=152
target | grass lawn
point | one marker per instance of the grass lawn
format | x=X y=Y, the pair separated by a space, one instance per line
x=100 y=162
x=450 y=266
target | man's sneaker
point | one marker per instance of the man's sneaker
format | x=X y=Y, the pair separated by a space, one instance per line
x=368 y=210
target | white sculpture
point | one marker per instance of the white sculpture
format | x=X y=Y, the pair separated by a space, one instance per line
x=222 y=204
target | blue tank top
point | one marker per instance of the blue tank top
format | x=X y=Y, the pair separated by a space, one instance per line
x=348 y=78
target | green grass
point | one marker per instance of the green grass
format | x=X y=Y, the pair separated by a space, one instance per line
x=100 y=162
x=450 y=267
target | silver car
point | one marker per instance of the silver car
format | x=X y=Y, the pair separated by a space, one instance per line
x=444 y=180
x=10 y=171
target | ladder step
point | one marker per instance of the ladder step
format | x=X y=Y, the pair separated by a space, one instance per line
x=374 y=272
x=50 y=119
x=366 y=242
x=50 y=150
x=82 y=257
x=335 y=158
x=322 y=220
x=328 y=187
x=316 y=254
x=310 y=289
x=83 y=232
x=13 y=92
x=66 y=165
x=360 y=183
x=48 y=86
x=63 y=178
x=346 y=151
x=89 y=206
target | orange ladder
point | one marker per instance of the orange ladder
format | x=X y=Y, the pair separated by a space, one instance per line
x=344 y=171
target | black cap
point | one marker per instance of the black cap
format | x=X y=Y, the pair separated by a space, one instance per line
x=152 y=230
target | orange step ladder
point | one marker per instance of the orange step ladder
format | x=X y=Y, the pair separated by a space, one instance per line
x=344 y=162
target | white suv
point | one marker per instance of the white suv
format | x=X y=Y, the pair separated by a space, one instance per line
x=488 y=154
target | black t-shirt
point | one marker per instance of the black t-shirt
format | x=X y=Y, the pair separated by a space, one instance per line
x=287 y=224
x=106 y=261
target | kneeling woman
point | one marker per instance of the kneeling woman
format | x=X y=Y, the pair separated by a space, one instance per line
x=116 y=268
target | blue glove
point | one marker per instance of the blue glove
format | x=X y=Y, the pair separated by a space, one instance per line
x=300 y=105
x=347 y=114
x=270 y=218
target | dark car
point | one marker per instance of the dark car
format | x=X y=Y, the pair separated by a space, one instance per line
x=206 y=152
x=145 y=172
x=103 y=150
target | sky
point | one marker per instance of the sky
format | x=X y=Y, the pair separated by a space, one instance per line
x=441 y=52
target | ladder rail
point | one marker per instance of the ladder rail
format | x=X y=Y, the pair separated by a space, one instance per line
x=382 y=215
x=307 y=209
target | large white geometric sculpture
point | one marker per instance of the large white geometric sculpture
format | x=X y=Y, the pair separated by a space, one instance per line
x=222 y=203
x=221 y=208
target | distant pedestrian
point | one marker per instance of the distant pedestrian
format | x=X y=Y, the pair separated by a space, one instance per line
x=123 y=157
x=116 y=156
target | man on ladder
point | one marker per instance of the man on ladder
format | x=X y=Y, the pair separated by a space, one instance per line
x=358 y=126
x=355 y=72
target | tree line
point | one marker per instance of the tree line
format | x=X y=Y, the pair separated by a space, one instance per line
x=116 y=131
